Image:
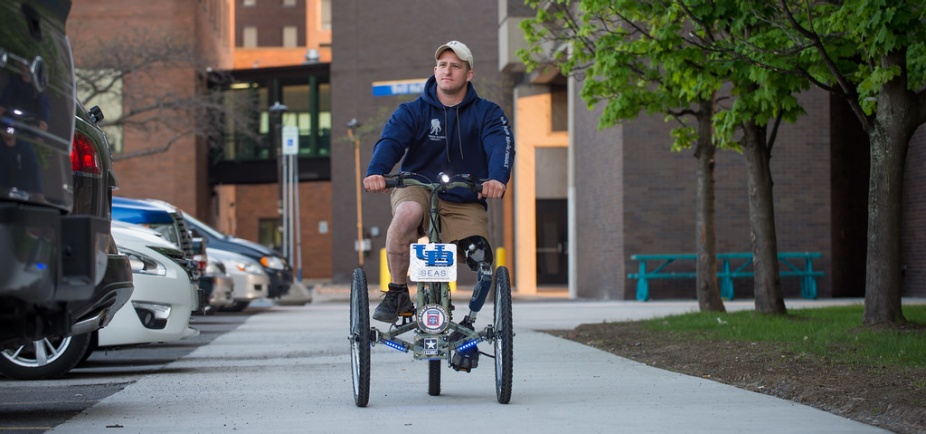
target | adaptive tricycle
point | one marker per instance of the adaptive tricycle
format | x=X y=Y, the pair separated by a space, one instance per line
x=431 y=326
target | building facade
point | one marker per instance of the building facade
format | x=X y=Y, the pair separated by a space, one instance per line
x=582 y=200
x=225 y=178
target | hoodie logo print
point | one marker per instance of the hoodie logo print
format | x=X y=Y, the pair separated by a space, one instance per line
x=435 y=134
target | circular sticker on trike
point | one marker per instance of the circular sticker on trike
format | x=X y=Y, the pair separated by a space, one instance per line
x=433 y=319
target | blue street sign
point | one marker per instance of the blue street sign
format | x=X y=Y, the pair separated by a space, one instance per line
x=398 y=87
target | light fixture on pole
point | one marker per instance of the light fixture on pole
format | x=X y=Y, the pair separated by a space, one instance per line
x=355 y=141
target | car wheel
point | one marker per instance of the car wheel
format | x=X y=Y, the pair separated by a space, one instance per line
x=94 y=344
x=47 y=358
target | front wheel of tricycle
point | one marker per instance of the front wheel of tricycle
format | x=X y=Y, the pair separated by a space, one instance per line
x=360 y=337
x=504 y=336
x=434 y=377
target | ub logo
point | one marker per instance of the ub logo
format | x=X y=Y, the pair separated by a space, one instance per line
x=433 y=262
x=436 y=257
x=435 y=127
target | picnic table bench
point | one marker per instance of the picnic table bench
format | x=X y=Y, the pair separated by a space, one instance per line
x=728 y=273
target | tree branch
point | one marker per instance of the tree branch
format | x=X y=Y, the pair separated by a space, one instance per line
x=848 y=91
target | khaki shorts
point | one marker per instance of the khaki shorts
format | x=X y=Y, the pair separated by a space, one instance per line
x=457 y=220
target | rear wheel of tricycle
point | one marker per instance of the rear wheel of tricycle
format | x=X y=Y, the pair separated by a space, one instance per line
x=504 y=336
x=360 y=337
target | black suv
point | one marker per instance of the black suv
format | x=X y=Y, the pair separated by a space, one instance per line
x=53 y=254
x=55 y=354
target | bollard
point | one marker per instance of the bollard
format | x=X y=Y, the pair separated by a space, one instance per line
x=499 y=257
x=384 y=276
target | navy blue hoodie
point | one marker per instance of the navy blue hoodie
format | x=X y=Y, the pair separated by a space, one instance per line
x=473 y=137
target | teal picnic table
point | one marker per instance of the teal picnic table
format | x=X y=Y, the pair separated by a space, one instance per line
x=728 y=272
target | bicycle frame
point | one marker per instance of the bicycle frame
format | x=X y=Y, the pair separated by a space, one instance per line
x=431 y=293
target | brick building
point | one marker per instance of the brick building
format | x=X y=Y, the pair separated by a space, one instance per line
x=582 y=200
x=229 y=181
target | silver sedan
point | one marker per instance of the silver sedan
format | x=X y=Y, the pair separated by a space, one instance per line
x=250 y=280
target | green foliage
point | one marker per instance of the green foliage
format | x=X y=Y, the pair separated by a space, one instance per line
x=685 y=137
x=854 y=36
x=831 y=332
x=655 y=56
x=629 y=55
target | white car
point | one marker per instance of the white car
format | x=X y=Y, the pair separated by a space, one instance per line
x=251 y=282
x=164 y=297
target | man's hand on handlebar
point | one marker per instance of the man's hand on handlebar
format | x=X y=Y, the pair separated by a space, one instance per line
x=492 y=189
x=374 y=183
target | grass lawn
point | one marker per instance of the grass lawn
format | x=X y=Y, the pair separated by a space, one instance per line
x=833 y=332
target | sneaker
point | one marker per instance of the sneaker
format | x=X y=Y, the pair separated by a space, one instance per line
x=468 y=359
x=396 y=302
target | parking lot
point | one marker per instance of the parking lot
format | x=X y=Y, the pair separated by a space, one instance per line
x=38 y=406
x=287 y=369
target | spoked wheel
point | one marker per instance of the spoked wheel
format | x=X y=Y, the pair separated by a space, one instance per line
x=360 y=337
x=434 y=377
x=504 y=336
x=50 y=357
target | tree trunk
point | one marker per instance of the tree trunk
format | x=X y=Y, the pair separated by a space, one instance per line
x=895 y=122
x=762 y=221
x=707 y=290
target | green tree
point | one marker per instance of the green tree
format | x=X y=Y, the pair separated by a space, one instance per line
x=871 y=53
x=763 y=98
x=660 y=56
x=624 y=53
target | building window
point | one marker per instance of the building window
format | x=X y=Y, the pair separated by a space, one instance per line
x=559 y=107
x=308 y=108
x=248 y=2
x=289 y=3
x=248 y=100
x=325 y=15
x=250 y=37
x=290 y=36
x=269 y=232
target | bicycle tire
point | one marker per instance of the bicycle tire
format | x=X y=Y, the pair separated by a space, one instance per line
x=434 y=377
x=504 y=336
x=360 y=338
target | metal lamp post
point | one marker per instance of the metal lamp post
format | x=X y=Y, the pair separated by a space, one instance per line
x=288 y=153
x=355 y=140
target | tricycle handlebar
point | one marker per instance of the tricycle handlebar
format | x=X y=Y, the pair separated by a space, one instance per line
x=444 y=183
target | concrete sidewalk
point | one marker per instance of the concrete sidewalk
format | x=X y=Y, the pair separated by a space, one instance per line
x=287 y=369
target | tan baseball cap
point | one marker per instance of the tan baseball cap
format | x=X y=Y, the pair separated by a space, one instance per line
x=461 y=50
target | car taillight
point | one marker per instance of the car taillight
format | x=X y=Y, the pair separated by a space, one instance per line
x=84 y=157
x=201 y=259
